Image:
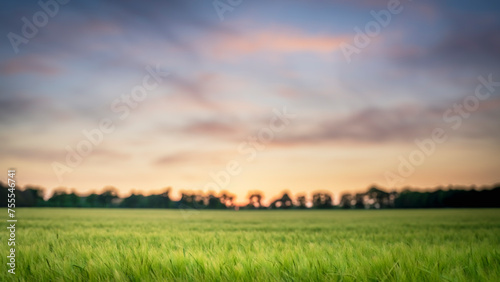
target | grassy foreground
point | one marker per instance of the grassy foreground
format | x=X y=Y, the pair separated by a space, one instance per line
x=141 y=245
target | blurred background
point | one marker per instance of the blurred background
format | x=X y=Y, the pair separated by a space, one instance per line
x=359 y=95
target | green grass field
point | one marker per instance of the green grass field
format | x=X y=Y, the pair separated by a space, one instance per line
x=166 y=245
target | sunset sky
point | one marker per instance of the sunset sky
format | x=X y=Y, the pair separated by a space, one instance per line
x=227 y=76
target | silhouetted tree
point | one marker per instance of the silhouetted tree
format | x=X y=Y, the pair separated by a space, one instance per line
x=91 y=200
x=159 y=201
x=227 y=199
x=285 y=202
x=255 y=200
x=214 y=202
x=106 y=198
x=322 y=200
x=60 y=198
x=377 y=198
x=359 y=199
x=132 y=201
x=452 y=196
x=31 y=196
x=301 y=202
x=346 y=201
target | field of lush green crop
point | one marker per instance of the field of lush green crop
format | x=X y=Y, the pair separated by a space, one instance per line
x=141 y=245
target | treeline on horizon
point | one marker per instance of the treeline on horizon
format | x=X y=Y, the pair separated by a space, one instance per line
x=373 y=198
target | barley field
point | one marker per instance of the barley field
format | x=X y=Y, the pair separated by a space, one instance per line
x=58 y=244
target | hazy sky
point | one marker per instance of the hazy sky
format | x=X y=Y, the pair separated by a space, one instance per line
x=229 y=71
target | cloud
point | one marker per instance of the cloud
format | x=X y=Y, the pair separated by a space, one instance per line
x=39 y=112
x=16 y=107
x=115 y=30
x=29 y=64
x=32 y=154
x=465 y=45
x=470 y=41
x=196 y=90
x=50 y=155
x=403 y=123
x=213 y=128
x=174 y=158
x=280 y=41
x=230 y=128
x=371 y=125
x=194 y=158
x=207 y=92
